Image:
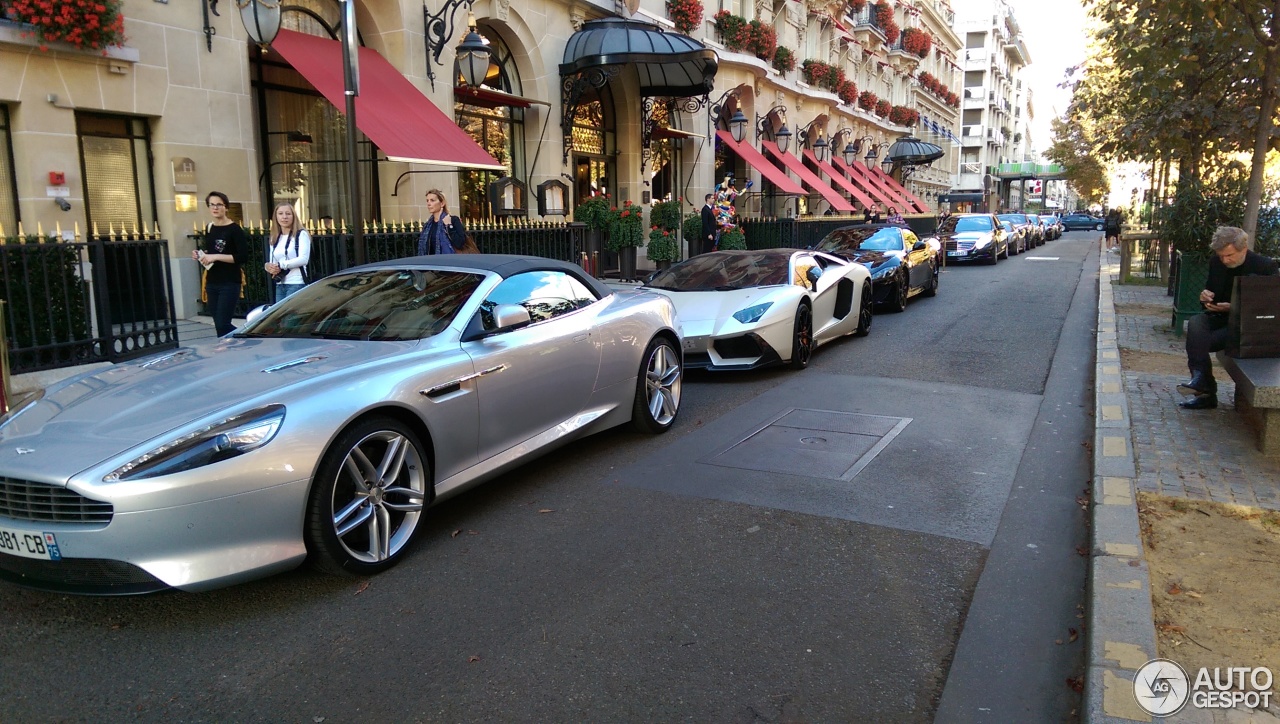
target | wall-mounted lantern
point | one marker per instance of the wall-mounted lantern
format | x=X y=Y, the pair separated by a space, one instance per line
x=508 y=196
x=553 y=198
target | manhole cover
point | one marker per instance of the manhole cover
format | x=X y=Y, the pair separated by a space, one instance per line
x=814 y=443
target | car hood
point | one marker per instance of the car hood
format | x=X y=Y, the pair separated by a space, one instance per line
x=871 y=258
x=712 y=306
x=87 y=420
x=971 y=236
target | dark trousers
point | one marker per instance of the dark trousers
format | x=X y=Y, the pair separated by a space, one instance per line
x=1205 y=333
x=222 y=306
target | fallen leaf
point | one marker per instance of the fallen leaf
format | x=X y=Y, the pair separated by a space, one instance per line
x=1082 y=551
x=546 y=510
x=455 y=533
x=1171 y=628
x=317 y=719
x=1082 y=501
x=1074 y=635
x=1076 y=683
x=1058 y=641
x=361 y=588
x=1192 y=594
x=472 y=659
x=1175 y=589
x=472 y=532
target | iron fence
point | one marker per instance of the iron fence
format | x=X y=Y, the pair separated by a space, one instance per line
x=72 y=302
x=793 y=233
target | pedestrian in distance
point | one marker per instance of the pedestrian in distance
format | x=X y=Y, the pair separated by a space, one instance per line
x=866 y=215
x=1207 y=332
x=875 y=215
x=1112 y=228
x=707 y=239
x=290 y=252
x=895 y=217
x=444 y=232
x=225 y=249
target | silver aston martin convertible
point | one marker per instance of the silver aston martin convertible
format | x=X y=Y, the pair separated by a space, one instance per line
x=325 y=427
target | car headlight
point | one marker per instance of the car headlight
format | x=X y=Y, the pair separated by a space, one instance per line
x=752 y=314
x=20 y=408
x=215 y=443
x=884 y=271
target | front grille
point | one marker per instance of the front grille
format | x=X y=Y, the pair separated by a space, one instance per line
x=738 y=347
x=26 y=500
x=78 y=575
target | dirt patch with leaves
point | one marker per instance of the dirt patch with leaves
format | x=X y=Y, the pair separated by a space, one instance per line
x=1160 y=363
x=1214 y=582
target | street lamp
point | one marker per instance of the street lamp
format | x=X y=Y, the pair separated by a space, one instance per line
x=782 y=136
x=738 y=125
x=737 y=122
x=473 y=55
x=261 y=20
x=821 y=149
x=849 y=150
x=472 y=51
x=819 y=144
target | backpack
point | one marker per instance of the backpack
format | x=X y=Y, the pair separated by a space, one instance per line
x=306 y=270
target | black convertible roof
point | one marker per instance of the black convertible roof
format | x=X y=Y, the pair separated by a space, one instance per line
x=504 y=265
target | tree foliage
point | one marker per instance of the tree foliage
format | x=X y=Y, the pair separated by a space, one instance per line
x=1073 y=148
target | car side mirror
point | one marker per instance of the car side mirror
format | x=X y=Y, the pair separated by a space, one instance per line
x=918 y=246
x=509 y=316
x=813 y=273
x=255 y=313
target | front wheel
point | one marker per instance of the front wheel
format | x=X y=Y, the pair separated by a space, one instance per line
x=932 y=289
x=865 y=310
x=657 y=399
x=368 y=498
x=802 y=337
x=901 y=290
x=1097 y=227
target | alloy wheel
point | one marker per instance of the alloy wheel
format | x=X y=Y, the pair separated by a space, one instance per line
x=662 y=384
x=377 y=505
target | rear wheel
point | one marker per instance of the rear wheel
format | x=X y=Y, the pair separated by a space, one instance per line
x=368 y=498
x=932 y=289
x=802 y=338
x=658 y=389
x=865 y=311
x=1097 y=227
x=901 y=290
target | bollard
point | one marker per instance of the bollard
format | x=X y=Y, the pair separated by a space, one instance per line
x=4 y=362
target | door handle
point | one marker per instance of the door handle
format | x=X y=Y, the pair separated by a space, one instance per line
x=581 y=338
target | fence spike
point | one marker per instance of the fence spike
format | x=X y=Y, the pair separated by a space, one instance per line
x=22 y=235
x=40 y=232
x=1 y=232
x=136 y=234
x=111 y=229
x=77 y=231
x=57 y=230
x=156 y=227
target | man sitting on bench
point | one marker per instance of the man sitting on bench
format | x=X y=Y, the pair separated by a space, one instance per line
x=1207 y=332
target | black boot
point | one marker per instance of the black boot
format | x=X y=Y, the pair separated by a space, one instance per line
x=1201 y=383
x=1200 y=402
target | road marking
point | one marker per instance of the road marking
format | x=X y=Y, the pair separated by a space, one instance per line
x=1110 y=369
x=1041 y=258
x=1115 y=491
x=1128 y=550
x=1128 y=656
x=1114 y=447
x=1112 y=412
x=1118 y=700
x=1110 y=387
x=1134 y=584
x=1110 y=354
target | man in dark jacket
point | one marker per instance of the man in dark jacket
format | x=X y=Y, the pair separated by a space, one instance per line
x=707 y=241
x=1207 y=332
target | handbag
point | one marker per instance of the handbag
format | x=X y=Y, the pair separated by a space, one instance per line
x=468 y=247
x=1253 y=325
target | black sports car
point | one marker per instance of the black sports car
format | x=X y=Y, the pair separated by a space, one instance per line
x=901 y=265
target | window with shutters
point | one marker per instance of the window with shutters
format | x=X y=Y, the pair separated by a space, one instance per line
x=8 y=187
x=115 y=157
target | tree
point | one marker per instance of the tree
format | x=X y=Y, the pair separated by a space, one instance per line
x=1263 y=21
x=1073 y=148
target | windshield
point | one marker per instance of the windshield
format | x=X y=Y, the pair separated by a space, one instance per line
x=382 y=305
x=882 y=239
x=1015 y=218
x=965 y=223
x=724 y=271
x=1008 y=225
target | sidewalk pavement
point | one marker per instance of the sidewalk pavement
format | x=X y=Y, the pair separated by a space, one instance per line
x=1144 y=441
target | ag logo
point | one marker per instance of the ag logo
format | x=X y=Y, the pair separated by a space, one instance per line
x=1161 y=687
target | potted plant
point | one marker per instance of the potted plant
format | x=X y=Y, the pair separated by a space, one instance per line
x=686 y=15
x=732 y=238
x=734 y=31
x=662 y=247
x=666 y=214
x=626 y=232
x=784 y=61
x=693 y=230
x=594 y=212
x=85 y=24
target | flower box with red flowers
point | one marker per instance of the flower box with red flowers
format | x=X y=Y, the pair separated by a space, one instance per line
x=83 y=24
x=686 y=15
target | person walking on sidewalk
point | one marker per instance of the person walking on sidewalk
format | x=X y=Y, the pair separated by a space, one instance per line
x=1112 y=226
x=226 y=247
x=290 y=252
x=443 y=232
x=1207 y=332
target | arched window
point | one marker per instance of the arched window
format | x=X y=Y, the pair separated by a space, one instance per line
x=595 y=145
x=303 y=141
x=498 y=129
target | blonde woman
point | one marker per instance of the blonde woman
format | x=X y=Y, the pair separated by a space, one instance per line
x=443 y=232
x=290 y=252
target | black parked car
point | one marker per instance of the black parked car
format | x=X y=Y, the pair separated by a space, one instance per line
x=966 y=237
x=901 y=265
x=1025 y=232
x=1073 y=222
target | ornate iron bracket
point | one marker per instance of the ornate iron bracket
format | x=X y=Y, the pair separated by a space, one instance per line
x=209 y=30
x=572 y=88
x=439 y=29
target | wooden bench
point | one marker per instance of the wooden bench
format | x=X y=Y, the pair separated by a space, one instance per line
x=1258 y=397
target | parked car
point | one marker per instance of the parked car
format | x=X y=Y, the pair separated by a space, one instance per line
x=325 y=427
x=966 y=237
x=740 y=310
x=1022 y=233
x=1076 y=221
x=1052 y=226
x=901 y=265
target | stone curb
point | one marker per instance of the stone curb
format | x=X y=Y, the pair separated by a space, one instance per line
x=1121 y=636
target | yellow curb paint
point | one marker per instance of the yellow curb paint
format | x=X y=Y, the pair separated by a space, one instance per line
x=1117 y=698
x=1110 y=369
x=1109 y=387
x=1114 y=447
x=1110 y=354
x=1115 y=491
x=1127 y=550
x=1112 y=412
x=1128 y=656
x=1134 y=584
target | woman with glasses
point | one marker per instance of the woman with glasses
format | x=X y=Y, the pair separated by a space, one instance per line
x=222 y=254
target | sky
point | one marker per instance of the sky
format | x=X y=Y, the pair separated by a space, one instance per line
x=1054 y=32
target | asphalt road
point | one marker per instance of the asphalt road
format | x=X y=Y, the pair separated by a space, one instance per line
x=627 y=579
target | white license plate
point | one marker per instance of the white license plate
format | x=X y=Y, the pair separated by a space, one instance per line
x=29 y=544
x=955 y=253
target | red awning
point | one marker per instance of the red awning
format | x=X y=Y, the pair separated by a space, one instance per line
x=895 y=200
x=491 y=98
x=756 y=160
x=873 y=187
x=798 y=168
x=839 y=178
x=390 y=110
x=902 y=191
